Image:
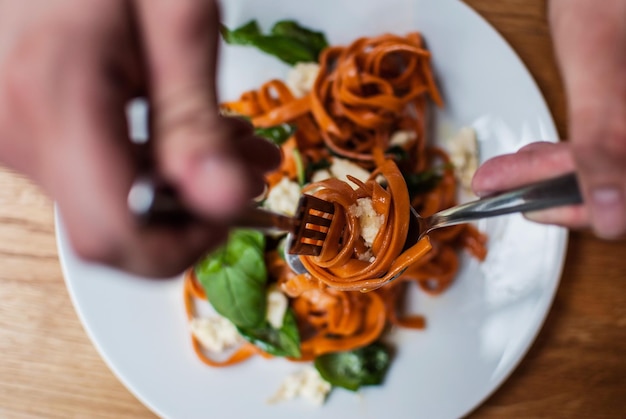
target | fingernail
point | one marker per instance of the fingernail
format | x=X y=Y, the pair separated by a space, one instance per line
x=608 y=212
x=536 y=216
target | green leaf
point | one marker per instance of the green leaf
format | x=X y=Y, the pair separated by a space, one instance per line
x=316 y=41
x=353 y=369
x=288 y=41
x=300 y=170
x=314 y=166
x=278 y=342
x=423 y=182
x=289 y=50
x=243 y=35
x=277 y=134
x=234 y=278
x=398 y=153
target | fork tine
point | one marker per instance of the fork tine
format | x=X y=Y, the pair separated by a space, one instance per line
x=313 y=202
x=307 y=249
x=314 y=218
x=314 y=234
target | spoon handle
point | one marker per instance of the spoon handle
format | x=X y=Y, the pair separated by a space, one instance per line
x=559 y=191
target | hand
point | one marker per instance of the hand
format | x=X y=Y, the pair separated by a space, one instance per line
x=68 y=69
x=590 y=41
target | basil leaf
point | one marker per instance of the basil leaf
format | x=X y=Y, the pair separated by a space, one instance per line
x=353 y=369
x=234 y=278
x=316 y=41
x=278 y=342
x=243 y=35
x=420 y=183
x=398 y=153
x=277 y=134
x=290 y=50
x=288 y=41
x=314 y=166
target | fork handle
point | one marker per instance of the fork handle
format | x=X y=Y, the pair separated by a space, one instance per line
x=559 y=191
x=267 y=221
x=154 y=202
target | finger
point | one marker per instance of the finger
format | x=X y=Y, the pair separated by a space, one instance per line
x=94 y=144
x=602 y=175
x=576 y=217
x=593 y=62
x=166 y=252
x=195 y=147
x=93 y=205
x=532 y=163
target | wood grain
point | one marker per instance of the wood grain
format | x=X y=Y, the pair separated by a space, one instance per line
x=575 y=369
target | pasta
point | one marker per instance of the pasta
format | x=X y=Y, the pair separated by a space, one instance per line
x=365 y=95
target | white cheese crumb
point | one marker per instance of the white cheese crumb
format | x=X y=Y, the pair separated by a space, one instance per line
x=369 y=220
x=276 y=306
x=400 y=138
x=341 y=168
x=367 y=256
x=306 y=383
x=215 y=333
x=283 y=197
x=463 y=148
x=301 y=78
x=320 y=175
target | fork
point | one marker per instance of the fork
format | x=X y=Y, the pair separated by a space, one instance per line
x=154 y=202
x=555 y=192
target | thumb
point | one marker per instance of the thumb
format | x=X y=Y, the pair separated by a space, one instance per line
x=195 y=147
x=593 y=62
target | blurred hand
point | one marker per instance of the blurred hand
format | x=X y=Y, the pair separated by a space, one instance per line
x=590 y=41
x=68 y=69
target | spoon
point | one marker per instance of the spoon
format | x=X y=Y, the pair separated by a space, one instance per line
x=555 y=192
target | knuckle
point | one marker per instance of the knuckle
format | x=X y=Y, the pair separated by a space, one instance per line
x=607 y=146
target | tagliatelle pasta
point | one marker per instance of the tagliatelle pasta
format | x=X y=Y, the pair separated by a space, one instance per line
x=341 y=264
x=364 y=93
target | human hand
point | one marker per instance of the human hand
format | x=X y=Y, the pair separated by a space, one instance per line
x=591 y=46
x=68 y=69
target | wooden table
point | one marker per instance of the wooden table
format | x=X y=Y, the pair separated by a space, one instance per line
x=575 y=369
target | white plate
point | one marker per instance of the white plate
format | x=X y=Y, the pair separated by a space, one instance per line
x=477 y=331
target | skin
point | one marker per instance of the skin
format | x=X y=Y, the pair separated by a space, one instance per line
x=67 y=72
x=590 y=41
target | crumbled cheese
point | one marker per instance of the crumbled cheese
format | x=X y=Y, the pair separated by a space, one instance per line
x=283 y=197
x=215 y=333
x=276 y=306
x=368 y=256
x=341 y=168
x=400 y=138
x=306 y=383
x=369 y=220
x=463 y=148
x=301 y=78
x=321 y=175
